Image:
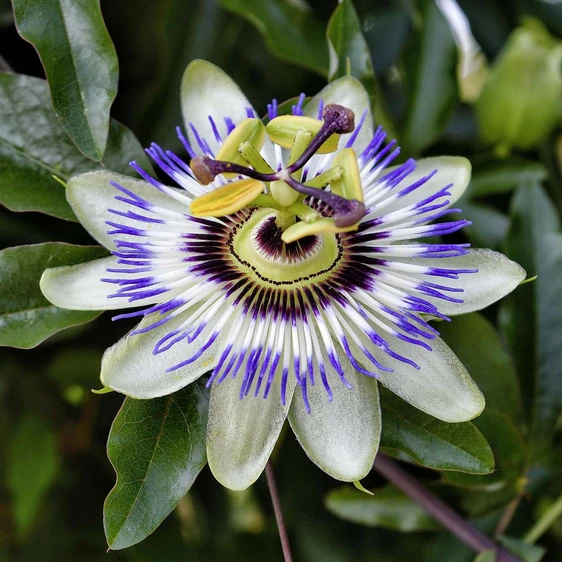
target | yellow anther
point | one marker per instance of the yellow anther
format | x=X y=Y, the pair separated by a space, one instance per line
x=349 y=184
x=283 y=129
x=227 y=199
x=249 y=130
x=321 y=226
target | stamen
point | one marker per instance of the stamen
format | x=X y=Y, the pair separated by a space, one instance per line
x=337 y=119
x=347 y=212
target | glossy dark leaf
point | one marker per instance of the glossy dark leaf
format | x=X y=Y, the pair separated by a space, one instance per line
x=157 y=448
x=503 y=176
x=508 y=446
x=532 y=315
x=430 y=61
x=488 y=226
x=527 y=552
x=479 y=503
x=349 y=54
x=386 y=28
x=348 y=49
x=80 y=63
x=289 y=28
x=388 y=508
x=26 y=316
x=431 y=442
x=34 y=147
x=173 y=34
x=478 y=345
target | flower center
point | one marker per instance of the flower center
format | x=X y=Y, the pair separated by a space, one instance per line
x=262 y=186
x=258 y=248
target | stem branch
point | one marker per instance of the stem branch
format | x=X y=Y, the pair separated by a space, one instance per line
x=278 y=512
x=440 y=511
x=545 y=522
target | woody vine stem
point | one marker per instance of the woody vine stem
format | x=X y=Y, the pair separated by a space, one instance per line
x=440 y=511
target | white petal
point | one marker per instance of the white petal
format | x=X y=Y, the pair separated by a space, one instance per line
x=497 y=276
x=450 y=169
x=91 y=195
x=241 y=433
x=207 y=90
x=342 y=436
x=349 y=92
x=131 y=368
x=441 y=387
x=79 y=287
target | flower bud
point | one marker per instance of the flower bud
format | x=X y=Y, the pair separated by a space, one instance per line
x=520 y=101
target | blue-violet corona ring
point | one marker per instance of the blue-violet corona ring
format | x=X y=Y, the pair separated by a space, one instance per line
x=287 y=256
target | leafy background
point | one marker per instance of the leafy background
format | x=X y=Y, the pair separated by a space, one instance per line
x=54 y=471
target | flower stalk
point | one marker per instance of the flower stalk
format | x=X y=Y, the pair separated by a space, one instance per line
x=274 y=493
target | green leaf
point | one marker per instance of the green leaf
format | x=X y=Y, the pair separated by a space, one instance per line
x=430 y=61
x=478 y=345
x=508 y=446
x=527 y=552
x=431 y=442
x=26 y=316
x=503 y=176
x=388 y=508
x=172 y=36
x=532 y=316
x=349 y=54
x=488 y=227
x=289 y=28
x=80 y=63
x=157 y=448
x=480 y=503
x=34 y=147
x=33 y=465
x=348 y=49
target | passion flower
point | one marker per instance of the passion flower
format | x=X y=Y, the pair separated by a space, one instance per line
x=290 y=264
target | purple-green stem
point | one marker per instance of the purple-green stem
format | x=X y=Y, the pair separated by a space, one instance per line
x=439 y=510
x=272 y=485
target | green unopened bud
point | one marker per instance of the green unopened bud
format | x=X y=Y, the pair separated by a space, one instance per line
x=227 y=199
x=248 y=131
x=283 y=131
x=520 y=101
